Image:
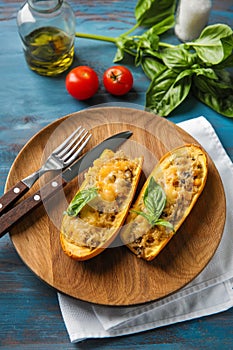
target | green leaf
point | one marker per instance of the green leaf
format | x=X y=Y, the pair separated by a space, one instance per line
x=154 y=200
x=150 y=12
x=119 y=55
x=215 y=93
x=124 y=44
x=178 y=58
x=167 y=91
x=150 y=39
x=227 y=63
x=163 y=25
x=207 y=72
x=145 y=215
x=138 y=45
x=146 y=43
x=212 y=46
x=165 y=223
x=152 y=67
x=228 y=46
x=80 y=200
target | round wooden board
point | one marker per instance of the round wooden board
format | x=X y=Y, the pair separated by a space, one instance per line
x=116 y=277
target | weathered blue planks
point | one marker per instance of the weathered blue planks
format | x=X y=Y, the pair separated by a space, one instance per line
x=29 y=313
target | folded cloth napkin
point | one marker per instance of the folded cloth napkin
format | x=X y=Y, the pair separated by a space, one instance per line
x=210 y=292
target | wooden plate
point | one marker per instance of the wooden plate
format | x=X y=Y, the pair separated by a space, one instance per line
x=116 y=277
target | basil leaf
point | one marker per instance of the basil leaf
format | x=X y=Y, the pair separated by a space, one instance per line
x=80 y=200
x=207 y=72
x=150 y=39
x=178 y=58
x=228 y=46
x=213 y=42
x=167 y=91
x=154 y=200
x=165 y=223
x=226 y=63
x=145 y=215
x=150 y=12
x=215 y=93
x=119 y=55
x=138 y=45
x=152 y=67
x=125 y=44
x=147 y=43
x=163 y=25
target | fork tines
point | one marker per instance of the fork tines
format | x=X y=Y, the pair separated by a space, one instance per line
x=73 y=145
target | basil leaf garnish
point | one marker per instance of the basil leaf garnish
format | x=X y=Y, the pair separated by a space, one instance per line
x=80 y=200
x=154 y=200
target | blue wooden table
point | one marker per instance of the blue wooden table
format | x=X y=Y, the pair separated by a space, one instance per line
x=29 y=313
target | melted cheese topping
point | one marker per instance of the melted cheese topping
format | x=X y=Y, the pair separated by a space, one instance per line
x=114 y=176
x=181 y=175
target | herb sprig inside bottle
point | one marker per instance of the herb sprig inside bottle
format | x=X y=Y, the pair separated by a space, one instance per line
x=154 y=200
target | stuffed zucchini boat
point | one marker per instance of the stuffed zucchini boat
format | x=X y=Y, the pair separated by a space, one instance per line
x=98 y=210
x=165 y=200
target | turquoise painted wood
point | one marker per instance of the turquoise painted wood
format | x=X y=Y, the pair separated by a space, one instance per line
x=29 y=312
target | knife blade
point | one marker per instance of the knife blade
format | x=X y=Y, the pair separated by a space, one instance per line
x=10 y=218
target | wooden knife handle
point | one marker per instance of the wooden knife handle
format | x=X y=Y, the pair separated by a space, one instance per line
x=12 y=195
x=10 y=218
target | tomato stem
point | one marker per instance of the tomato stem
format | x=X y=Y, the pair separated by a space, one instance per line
x=115 y=77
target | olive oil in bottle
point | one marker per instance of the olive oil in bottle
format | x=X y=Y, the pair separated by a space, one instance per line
x=47 y=30
x=48 y=50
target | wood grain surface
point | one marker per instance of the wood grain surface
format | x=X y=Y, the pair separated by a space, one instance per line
x=116 y=277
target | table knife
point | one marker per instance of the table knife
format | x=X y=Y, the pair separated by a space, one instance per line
x=10 y=218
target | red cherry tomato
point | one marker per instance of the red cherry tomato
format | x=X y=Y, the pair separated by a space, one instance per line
x=118 y=80
x=82 y=82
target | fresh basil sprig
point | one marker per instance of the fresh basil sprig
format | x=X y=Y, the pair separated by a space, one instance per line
x=199 y=67
x=214 y=44
x=154 y=200
x=80 y=200
x=146 y=44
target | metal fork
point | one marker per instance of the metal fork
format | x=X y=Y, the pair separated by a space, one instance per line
x=62 y=156
x=59 y=159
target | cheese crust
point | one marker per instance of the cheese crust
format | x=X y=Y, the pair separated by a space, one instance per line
x=182 y=174
x=115 y=176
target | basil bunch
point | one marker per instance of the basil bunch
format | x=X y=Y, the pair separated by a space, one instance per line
x=80 y=200
x=199 y=67
x=154 y=200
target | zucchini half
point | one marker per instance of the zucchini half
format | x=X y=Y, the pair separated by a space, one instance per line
x=115 y=177
x=182 y=174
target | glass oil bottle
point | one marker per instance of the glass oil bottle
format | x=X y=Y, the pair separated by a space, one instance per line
x=47 y=30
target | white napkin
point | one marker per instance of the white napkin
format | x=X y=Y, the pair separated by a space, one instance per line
x=210 y=292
